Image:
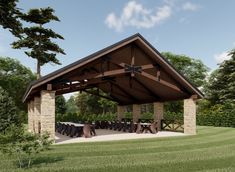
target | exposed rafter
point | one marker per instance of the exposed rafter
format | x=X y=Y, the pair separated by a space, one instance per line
x=99 y=95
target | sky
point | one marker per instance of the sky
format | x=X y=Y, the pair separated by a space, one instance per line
x=200 y=29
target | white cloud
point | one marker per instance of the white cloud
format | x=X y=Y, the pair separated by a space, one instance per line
x=222 y=57
x=188 y=6
x=135 y=15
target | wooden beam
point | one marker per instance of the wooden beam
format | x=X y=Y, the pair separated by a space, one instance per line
x=99 y=95
x=49 y=87
x=85 y=84
x=132 y=59
x=161 y=81
x=100 y=75
x=67 y=90
x=194 y=97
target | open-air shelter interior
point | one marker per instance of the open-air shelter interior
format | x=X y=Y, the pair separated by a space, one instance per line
x=130 y=72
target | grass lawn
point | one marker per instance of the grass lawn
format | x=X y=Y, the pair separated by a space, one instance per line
x=212 y=149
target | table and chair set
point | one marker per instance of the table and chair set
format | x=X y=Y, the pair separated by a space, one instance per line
x=87 y=129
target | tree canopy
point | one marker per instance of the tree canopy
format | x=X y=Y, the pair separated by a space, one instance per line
x=60 y=105
x=221 y=85
x=91 y=104
x=9 y=16
x=39 y=39
x=8 y=113
x=14 y=78
x=192 y=68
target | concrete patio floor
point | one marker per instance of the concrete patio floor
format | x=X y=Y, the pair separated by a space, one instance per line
x=110 y=135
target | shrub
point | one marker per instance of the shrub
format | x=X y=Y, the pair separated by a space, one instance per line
x=8 y=112
x=220 y=115
x=147 y=115
x=23 y=144
x=173 y=116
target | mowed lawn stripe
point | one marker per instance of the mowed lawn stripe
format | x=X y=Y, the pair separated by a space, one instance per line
x=211 y=149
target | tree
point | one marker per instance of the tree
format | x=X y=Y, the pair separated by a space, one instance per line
x=107 y=105
x=14 y=78
x=88 y=103
x=92 y=104
x=8 y=113
x=71 y=106
x=60 y=105
x=193 y=69
x=39 y=39
x=9 y=16
x=221 y=85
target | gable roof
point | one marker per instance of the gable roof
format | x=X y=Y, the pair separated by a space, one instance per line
x=142 y=42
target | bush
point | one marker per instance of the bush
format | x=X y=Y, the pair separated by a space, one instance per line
x=25 y=145
x=220 y=115
x=8 y=112
x=147 y=115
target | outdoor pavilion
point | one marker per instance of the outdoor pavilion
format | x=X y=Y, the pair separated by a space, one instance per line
x=131 y=72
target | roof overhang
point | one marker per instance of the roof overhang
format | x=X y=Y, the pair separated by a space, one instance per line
x=173 y=76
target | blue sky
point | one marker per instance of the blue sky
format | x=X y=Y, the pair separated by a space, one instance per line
x=200 y=29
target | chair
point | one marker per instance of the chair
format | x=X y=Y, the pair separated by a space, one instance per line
x=139 y=128
x=87 y=130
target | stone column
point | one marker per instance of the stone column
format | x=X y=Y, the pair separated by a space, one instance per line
x=30 y=115
x=37 y=114
x=48 y=112
x=120 y=112
x=136 y=112
x=158 y=109
x=189 y=116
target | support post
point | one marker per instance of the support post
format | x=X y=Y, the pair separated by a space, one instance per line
x=158 y=108
x=37 y=114
x=48 y=113
x=136 y=112
x=189 y=116
x=30 y=115
x=120 y=112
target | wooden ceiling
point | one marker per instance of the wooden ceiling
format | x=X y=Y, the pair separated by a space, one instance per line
x=129 y=72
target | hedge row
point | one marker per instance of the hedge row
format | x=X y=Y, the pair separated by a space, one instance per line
x=218 y=116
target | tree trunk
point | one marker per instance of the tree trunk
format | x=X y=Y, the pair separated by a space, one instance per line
x=38 y=70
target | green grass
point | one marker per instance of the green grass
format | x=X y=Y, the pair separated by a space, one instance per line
x=212 y=149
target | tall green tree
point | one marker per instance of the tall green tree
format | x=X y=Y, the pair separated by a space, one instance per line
x=38 y=39
x=107 y=105
x=221 y=85
x=14 y=78
x=8 y=111
x=9 y=16
x=193 y=69
x=60 y=103
x=88 y=103
x=71 y=106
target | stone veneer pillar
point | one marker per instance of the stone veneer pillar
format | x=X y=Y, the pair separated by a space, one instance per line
x=136 y=112
x=30 y=115
x=120 y=112
x=158 y=109
x=37 y=114
x=48 y=112
x=189 y=116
